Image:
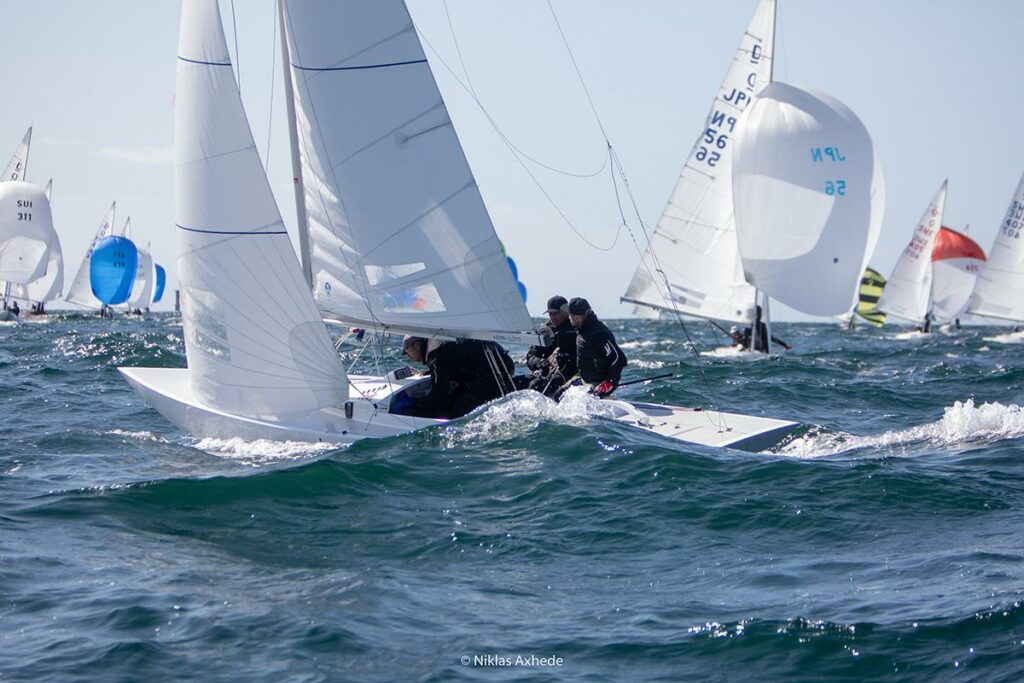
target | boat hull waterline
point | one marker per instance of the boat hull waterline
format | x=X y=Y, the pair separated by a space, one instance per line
x=168 y=391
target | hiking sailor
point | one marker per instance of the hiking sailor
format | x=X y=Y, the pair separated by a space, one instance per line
x=552 y=365
x=762 y=336
x=466 y=374
x=598 y=358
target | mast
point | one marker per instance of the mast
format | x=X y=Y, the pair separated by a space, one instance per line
x=293 y=140
x=771 y=78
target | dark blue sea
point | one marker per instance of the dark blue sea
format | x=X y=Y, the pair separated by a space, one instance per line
x=529 y=541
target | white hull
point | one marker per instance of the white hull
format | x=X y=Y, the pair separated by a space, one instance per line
x=169 y=392
x=8 y=316
x=735 y=353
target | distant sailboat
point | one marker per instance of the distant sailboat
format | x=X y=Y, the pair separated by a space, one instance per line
x=907 y=294
x=956 y=262
x=809 y=197
x=872 y=284
x=80 y=293
x=38 y=293
x=393 y=211
x=694 y=247
x=999 y=290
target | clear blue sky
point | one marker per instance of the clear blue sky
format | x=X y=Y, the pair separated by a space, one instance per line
x=937 y=82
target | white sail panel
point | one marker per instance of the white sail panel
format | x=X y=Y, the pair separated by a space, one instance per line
x=908 y=290
x=26 y=231
x=806 y=198
x=999 y=291
x=399 y=233
x=18 y=164
x=694 y=244
x=80 y=291
x=142 y=286
x=50 y=285
x=956 y=262
x=255 y=342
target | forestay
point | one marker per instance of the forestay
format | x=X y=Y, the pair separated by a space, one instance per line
x=80 y=291
x=999 y=291
x=694 y=244
x=26 y=232
x=908 y=290
x=807 y=198
x=255 y=343
x=18 y=164
x=398 y=231
x=956 y=262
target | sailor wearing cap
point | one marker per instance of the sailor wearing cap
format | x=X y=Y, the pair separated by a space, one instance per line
x=598 y=357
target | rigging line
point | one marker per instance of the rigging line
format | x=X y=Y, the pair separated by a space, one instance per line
x=238 y=64
x=494 y=124
x=579 y=75
x=273 y=74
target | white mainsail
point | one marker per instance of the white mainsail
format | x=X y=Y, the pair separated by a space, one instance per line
x=956 y=262
x=694 y=244
x=255 y=342
x=908 y=292
x=142 y=286
x=999 y=291
x=26 y=232
x=808 y=198
x=18 y=164
x=80 y=291
x=399 y=233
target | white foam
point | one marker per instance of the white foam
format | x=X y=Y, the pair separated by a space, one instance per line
x=734 y=353
x=521 y=412
x=259 y=451
x=1007 y=338
x=962 y=423
x=141 y=436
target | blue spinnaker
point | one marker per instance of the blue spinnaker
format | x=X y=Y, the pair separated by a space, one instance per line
x=161 y=280
x=112 y=269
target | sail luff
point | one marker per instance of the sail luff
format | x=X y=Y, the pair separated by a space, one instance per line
x=80 y=292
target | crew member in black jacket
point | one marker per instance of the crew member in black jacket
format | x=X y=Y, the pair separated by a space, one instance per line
x=598 y=357
x=762 y=336
x=552 y=365
x=466 y=374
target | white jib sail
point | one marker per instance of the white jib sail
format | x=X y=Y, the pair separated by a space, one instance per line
x=807 y=198
x=142 y=286
x=18 y=164
x=999 y=291
x=80 y=291
x=50 y=285
x=398 y=232
x=26 y=231
x=255 y=343
x=694 y=243
x=907 y=293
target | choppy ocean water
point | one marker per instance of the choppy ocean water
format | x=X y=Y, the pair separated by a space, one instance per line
x=529 y=541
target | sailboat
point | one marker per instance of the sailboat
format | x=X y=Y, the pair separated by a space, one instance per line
x=872 y=284
x=393 y=209
x=808 y=196
x=26 y=229
x=999 y=290
x=956 y=262
x=38 y=293
x=691 y=265
x=907 y=294
x=80 y=293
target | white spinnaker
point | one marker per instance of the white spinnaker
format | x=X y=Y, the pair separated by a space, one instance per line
x=50 y=285
x=694 y=242
x=956 y=261
x=18 y=164
x=142 y=286
x=26 y=231
x=255 y=343
x=399 y=234
x=999 y=291
x=806 y=197
x=80 y=291
x=907 y=294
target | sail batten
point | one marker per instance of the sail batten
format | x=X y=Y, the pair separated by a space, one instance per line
x=694 y=244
